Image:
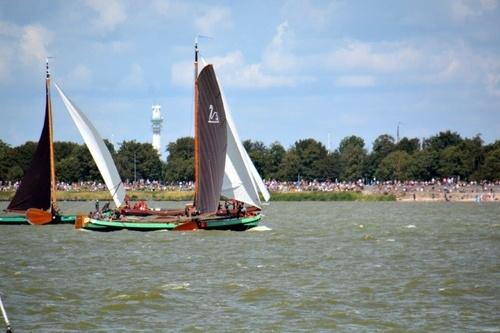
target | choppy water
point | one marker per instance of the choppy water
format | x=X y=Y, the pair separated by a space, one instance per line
x=343 y=267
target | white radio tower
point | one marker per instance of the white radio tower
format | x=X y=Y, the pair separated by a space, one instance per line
x=156 y=122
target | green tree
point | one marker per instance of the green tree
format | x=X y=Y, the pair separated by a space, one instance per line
x=137 y=161
x=5 y=161
x=461 y=160
x=408 y=145
x=490 y=170
x=425 y=164
x=259 y=154
x=352 y=158
x=395 y=166
x=310 y=154
x=442 y=140
x=276 y=154
x=64 y=149
x=382 y=146
x=23 y=154
x=180 y=160
x=289 y=169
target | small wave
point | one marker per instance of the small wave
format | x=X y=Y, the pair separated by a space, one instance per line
x=411 y=226
x=141 y=295
x=260 y=228
x=175 y=286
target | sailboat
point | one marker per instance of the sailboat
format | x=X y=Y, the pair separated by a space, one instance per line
x=35 y=200
x=223 y=170
x=106 y=165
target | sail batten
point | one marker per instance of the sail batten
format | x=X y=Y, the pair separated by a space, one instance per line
x=98 y=149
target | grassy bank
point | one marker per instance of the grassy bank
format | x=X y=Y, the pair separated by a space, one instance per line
x=329 y=196
x=188 y=195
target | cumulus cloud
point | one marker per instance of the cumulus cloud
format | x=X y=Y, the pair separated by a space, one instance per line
x=274 y=70
x=237 y=73
x=358 y=63
x=33 y=44
x=493 y=83
x=170 y=8
x=22 y=45
x=317 y=15
x=110 y=13
x=81 y=74
x=182 y=73
x=461 y=10
x=279 y=56
x=378 y=57
x=134 y=79
x=355 y=81
x=212 y=18
x=233 y=70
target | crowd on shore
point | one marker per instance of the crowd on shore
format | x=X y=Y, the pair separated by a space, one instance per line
x=448 y=189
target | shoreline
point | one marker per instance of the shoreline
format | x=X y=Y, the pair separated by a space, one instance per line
x=365 y=195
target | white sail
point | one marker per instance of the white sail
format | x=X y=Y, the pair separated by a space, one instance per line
x=241 y=182
x=98 y=149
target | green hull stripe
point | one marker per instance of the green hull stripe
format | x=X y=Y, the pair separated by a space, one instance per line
x=237 y=223
x=21 y=219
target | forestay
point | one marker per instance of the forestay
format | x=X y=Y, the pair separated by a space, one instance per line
x=98 y=149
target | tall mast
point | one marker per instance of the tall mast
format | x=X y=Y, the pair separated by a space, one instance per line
x=53 y=185
x=196 y=143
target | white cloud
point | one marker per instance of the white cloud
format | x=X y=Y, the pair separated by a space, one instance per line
x=315 y=14
x=81 y=74
x=33 y=44
x=134 y=79
x=182 y=74
x=111 y=13
x=356 y=81
x=377 y=57
x=8 y=29
x=462 y=10
x=5 y=59
x=493 y=83
x=170 y=9
x=233 y=71
x=213 y=18
x=22 y=45
x=488 y=4
x=420 y=61
x=279 y=56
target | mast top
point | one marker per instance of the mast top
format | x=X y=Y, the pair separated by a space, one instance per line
x=47 y=71
x=47 y=68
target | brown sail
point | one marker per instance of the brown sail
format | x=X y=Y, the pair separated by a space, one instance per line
x=36 y=186
x=211 y=141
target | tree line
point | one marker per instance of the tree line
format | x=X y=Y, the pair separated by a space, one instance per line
x=443 y=155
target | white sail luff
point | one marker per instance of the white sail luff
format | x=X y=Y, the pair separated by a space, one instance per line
x=241 y=181
x=98 y=149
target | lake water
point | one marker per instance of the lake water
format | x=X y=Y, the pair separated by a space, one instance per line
x=315 y=267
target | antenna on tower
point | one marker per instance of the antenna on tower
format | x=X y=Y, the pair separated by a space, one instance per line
x=397 y=132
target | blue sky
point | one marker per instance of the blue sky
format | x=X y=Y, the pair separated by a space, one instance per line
x=290 y=69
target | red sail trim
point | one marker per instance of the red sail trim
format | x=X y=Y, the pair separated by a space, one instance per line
x=35 y=188
x=211 y=138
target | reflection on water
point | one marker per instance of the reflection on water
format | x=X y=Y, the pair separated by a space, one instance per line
x=347 y=267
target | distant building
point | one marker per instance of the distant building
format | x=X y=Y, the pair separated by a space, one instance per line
x=157 y=123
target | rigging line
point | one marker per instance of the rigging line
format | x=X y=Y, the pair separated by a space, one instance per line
x=116 y=188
